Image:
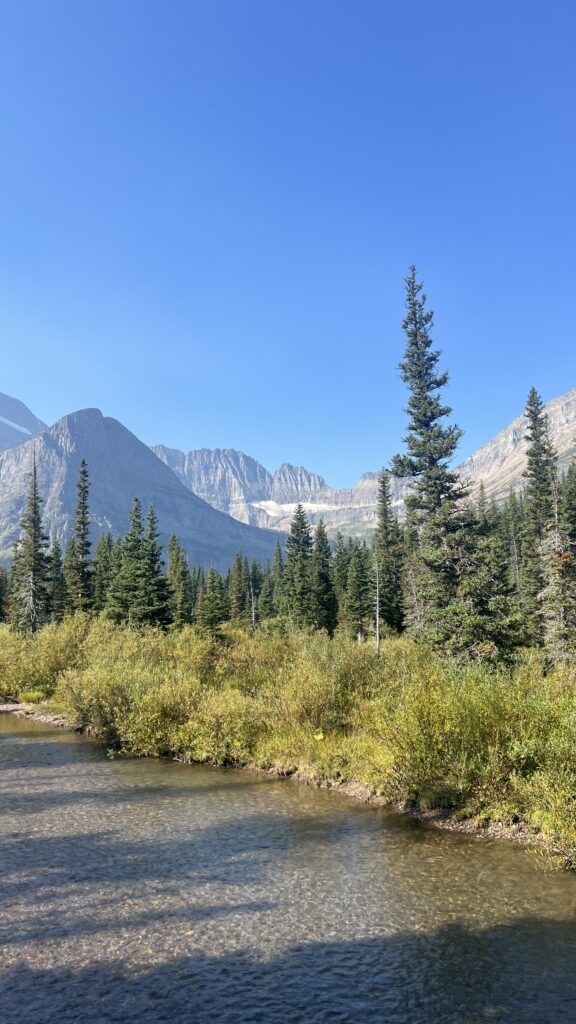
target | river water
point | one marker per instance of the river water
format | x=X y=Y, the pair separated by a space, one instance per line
x=145 y=891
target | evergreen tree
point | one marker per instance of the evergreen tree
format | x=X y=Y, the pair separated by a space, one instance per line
x=540 y=516
x=323 y=593
x=239 y=590
x=179 y=579
x=56 y=584
x=434 y=500
x=484 y=621
x=102 y=571
x=388 y=560
x=212 y=609
x=266 y=609
x=431 y=444
x=3 y=595
x=125 y=598
x=341 y=563
x=277 y=576
x=358 y=592
x=568 y=507
x=78 y=568
x=155 y=596
x=28 y=582
x=298 y=571
x=512 y=527
x=256 y=583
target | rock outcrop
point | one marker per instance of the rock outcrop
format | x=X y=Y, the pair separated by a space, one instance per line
x=120 y=467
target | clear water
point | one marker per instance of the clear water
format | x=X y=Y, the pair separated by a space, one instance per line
x=148 y=891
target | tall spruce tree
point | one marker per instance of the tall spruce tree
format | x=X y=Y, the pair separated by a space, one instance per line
x=388 y=559
x=358 y=592
x=277 y=577
x=540 y=516
x=155 y=596
x=29 y=577
x=124 y=600
x=323 y=593
x=431 y=444
x=102 y=571
x=340 y=567
x=78 y=566
x=298 y=571
x=212 y=607
x=56 y=584
x=239 y=590
x=181 y=600
x=3 y=594
x=435 y=496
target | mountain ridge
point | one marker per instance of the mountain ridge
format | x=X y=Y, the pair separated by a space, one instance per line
x=121 y=467
x=498 y=464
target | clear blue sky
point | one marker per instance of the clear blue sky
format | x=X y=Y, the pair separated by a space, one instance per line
x=207 y=210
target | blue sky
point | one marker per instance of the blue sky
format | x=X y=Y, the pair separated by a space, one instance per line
x=207 y=210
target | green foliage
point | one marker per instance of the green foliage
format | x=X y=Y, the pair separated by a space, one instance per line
x=323 y=593
x=29 y=577
x=421 y=729
x=358 y=591
x=388 y=559
x=34 y=661
x=78 y=567
x=297 y=574
x=57 y=593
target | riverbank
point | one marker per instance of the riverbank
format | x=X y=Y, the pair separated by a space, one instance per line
x=517 y=832
x=475 y=747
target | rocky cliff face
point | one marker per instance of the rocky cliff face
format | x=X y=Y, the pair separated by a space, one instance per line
x=120 y=468
x=501 y=463
x=498 y=464
x=294 y=483
x=17 y=423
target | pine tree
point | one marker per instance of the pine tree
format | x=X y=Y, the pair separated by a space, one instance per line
x=28 y=582
x=512 y=526
x=256 y=581
x=102 y=571
x=358 y=592
x=155 y=596
x=277 y=576
x=239 y=590
x=3 y=594
x=212 y=611
x=431 y=444
x=298 y=571
x=56 y=584
x=434 y=502
x=124 y=600
x=341 y=563
x=388 y=560
x=323 y=593
x=181 y=603
x=266 y=609
x=484 y=620
x=78 y=567
x=568 y=507
x=540 y=516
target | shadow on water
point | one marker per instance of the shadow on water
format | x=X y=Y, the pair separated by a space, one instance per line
x=519 y=973
x=159 y=893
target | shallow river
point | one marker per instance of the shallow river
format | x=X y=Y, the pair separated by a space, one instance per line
x=141 y=891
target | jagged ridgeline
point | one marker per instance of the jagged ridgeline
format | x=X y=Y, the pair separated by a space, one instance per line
x=121 y=467
x=236 y=483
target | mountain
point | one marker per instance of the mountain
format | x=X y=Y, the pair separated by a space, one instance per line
x=499 y=465
x=236 y=483
x=120 y=467
x=17 y=423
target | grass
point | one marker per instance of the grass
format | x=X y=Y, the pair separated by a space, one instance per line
x=481 y=743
